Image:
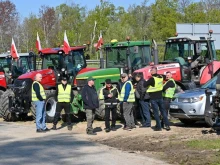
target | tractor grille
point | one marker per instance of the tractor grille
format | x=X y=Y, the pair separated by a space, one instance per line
x=18 y=83
x=81 y=83
x=176 y=111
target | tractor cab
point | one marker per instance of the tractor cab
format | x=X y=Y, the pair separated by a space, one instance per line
x=62 y=64
x=192 y=53
x=128 y=56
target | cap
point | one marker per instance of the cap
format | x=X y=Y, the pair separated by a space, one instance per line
x=90 y=78
x=64 y=78
x=124 y=75
x=108 y=81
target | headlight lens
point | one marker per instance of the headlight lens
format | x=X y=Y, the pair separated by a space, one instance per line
x=190 y=100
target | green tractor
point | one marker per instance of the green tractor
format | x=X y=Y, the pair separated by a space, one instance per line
x=121 y=57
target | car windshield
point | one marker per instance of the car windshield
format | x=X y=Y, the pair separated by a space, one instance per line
x=211 y=84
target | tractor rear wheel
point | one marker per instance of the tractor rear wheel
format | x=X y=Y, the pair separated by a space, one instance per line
x=4 y=110
x=50 y=107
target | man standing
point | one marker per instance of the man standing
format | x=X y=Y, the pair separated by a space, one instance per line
x=90 y=103
x=38 y=98
x=155 y=87
x=64 y=96
x=128 y=98
x=143 y=99
x=110 y=95
x=168 y=91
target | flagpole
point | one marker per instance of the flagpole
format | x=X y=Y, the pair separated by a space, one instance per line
x=101 y=57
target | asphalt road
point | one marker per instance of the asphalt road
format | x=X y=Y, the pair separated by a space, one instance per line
x=21 y=145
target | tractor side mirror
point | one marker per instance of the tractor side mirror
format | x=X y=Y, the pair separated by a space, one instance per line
x=87 y=57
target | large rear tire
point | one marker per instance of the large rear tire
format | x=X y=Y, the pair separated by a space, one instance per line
x=1 y=93
x=4 y=110
x=50 y=107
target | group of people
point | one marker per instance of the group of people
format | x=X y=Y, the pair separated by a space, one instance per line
x=155 y=93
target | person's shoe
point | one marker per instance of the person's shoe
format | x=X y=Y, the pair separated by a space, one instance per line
x=40 y=131
x=107 y=130
x=91 y=133
x=113 y=128
x=162 y=125
x=54 y=127
x=168 y=128
x=137 y=123
x=69 y=127
x=157 y=129
x=133 y=127
x=127 y=128
x=46 y=129
x=144 y=126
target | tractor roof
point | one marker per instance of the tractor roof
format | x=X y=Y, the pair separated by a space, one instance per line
x=7 y=54
x=55 y=50
x=191 y=38
x=125 y=43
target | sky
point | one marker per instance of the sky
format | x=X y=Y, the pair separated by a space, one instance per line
x=25 y=7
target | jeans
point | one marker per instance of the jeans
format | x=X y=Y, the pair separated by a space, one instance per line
x=40 y=115
x=158 y=103
x=145 y=113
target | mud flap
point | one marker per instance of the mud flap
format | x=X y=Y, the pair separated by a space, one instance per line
x=208 y=109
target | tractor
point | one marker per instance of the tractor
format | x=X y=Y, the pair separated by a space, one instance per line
x=121 y=57
x=180 y=53
x=16 y=101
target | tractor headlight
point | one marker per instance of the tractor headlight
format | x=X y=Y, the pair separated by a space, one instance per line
x=63 y=69
x=78 y=88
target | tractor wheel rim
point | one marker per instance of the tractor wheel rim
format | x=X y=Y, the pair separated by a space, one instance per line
x=51 y=107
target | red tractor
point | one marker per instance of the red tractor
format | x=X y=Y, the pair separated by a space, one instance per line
x=17 y=100
x=191 y=60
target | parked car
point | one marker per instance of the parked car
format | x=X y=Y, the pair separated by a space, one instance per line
x=189 y=106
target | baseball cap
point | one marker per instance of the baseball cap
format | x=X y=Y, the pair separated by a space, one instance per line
x=64 y=78
x=108 y=81
x=123 y=75
x=90 y=78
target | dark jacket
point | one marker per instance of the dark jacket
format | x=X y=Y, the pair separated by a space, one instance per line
x=142 y=90
x=64 y=87
x=90 y=97
x=37 y=91
x=151 y=82
x=114 y=92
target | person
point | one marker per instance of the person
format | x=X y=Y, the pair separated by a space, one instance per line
x=128 y=98
x=168 y=92
x=155 y=87
x=143 y=99
x=90 y=103
x=110 y=95
x=38 y=98
x=64 y=96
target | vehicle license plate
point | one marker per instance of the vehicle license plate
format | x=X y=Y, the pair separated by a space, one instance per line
x=174 y=106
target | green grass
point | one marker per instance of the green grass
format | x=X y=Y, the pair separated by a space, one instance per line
x=204 y=144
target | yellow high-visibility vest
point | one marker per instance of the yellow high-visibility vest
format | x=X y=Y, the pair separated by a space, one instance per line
x=158 y=86
x=42 y=93
x=169 y=93
x=64 y=95
x=131 y=97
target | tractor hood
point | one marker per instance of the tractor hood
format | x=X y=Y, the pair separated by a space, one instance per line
x=174 y=68
x=32 y=74
x=99 y=75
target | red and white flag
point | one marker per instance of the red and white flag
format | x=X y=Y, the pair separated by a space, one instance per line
x=100 y=42
x=66 y=46
x=38 y=45
x=14 y=52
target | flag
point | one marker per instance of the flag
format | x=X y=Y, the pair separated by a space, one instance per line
x=100 y=43
x=66 y=46
x=38 y=45
x=14 y=52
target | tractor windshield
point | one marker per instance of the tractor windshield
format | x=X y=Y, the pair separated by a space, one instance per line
x=52 y=61
x=5 y=64
x=117 y=56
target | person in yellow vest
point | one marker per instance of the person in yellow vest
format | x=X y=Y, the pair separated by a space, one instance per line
x=155 y=88
x=109 y=94
x=168 y=91
x=127 y=98
x=38 y=98
x=64 y=96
